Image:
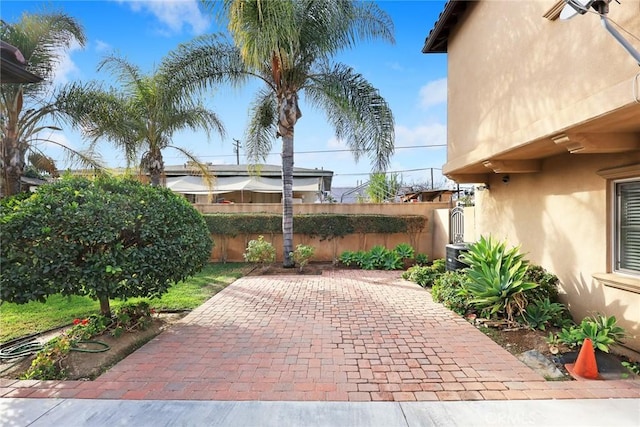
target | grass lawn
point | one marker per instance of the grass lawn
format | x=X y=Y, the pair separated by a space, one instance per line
x=20 y=320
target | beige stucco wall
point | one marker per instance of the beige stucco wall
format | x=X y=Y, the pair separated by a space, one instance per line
x=515 y=77
x=559 y=217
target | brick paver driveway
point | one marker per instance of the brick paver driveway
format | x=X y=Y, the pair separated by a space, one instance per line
x=347 y=335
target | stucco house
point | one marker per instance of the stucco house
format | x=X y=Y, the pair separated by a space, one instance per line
x=545 y=114
x=247 y=184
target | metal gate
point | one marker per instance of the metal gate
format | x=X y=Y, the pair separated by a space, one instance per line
x=456 y=225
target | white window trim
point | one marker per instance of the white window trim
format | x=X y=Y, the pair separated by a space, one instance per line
x=612 y=278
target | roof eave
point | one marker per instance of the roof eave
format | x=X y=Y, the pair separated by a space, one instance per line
x=437 y=40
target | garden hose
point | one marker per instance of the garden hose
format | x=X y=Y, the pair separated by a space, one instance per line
x=32 y=347
x=20 y=350
x=103 y=347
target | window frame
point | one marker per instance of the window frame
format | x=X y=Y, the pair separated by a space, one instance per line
x=615 y=237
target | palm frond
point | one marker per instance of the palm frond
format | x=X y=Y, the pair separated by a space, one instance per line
x=359 y=114
x=205 y=62
x=262 y=128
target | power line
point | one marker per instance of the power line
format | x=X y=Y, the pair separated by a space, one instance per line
x=387 y=172
x=343 y=150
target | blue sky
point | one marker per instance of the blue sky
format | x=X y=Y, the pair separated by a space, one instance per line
x=414 y=84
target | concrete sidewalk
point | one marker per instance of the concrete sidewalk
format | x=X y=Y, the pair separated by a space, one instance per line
x=140 y=413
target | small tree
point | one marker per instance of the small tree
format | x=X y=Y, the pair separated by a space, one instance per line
x=108 y=238
x=382 y=188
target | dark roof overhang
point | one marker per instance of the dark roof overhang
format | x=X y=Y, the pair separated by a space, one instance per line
x=13 y=66
x=438 y=38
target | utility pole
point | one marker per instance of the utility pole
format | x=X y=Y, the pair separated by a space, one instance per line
x=236 y=149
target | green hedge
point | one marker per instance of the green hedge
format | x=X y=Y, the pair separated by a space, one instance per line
x=325 y=226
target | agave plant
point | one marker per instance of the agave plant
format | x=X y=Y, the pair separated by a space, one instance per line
x=496 y=274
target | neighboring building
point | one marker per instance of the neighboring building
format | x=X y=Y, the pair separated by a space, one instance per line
x=546 y=115
x=246 y=184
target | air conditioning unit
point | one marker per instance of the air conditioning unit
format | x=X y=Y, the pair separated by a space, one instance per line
x=453 y=251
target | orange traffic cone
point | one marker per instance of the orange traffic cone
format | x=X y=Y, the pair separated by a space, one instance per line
x=585 y=366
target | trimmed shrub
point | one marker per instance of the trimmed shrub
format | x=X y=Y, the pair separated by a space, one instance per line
x=106 y=238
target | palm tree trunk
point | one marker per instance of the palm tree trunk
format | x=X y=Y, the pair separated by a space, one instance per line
x=287 y=200
x=289 y=113
x=12 y=164
x=154 y=164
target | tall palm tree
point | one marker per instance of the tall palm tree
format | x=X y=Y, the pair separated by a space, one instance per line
x=142 y=115
x=289 y=45
x=42 y=39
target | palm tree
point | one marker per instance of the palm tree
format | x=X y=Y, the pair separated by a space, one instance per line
x=142 y=115
x=289 y=44
x=42 y=39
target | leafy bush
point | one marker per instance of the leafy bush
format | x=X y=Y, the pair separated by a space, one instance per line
x=260 y=251
x=106 y=238
x=422 y=259
x=302 y=255
x=496 y=278
x=548 y=284
x=601 y=330
x=425 y=275
x=448 y=289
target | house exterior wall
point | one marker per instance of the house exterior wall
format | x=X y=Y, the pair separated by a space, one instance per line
x=516 y=81
x=516 y=77
x=559 y=219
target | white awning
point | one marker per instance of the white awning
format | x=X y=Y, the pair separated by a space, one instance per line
x=197 y=185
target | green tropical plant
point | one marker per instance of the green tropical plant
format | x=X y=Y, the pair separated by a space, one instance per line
x=377 y=255
x=422 y=259
x=391 y=261
x=289 y=46
x=260 y=251
x=302 y=255
x=496 y=278
x=601 y=330
x=633 y=367
x=42 y=39
x=404 y=251
x=142 y=115
x=106 y=238
x=348 y=258
x=543 y=313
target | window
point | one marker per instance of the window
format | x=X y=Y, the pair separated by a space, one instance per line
x=627 y=226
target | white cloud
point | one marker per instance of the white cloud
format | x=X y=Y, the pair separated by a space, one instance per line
x=395 y=66
x=432 y=134
x=66 y=68
x=175 y=14
x=102 y=46
x=433 y=93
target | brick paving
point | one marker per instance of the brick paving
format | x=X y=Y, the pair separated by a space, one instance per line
x=347 y=335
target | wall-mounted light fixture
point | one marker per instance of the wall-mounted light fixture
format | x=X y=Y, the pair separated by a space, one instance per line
x=574 y=7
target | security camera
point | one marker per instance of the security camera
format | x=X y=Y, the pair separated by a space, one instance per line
x=506 y=179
